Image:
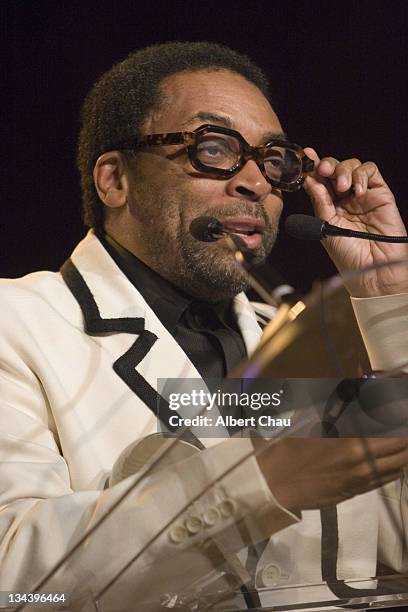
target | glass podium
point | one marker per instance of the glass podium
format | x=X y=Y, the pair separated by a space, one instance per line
x=315 y=350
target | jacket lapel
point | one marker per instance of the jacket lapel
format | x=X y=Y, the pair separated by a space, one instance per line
x=146 y=353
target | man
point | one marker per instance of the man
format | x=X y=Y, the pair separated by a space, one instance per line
x=141 y=300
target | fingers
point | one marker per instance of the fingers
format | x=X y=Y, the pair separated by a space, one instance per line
x=363 y=178
x=319 y=472
x=378 y=461
x=339 y=173
x=389 y=458
x=382 y=447
x=319 y=189
x=348 y=175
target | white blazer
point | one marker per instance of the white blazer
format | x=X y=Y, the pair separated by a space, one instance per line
x=80 y=356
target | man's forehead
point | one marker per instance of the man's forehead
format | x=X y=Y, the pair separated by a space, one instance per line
x=225 y=121
x=220 y=97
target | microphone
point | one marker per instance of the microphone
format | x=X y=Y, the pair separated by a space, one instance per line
x=305 y=227
x=209 y=229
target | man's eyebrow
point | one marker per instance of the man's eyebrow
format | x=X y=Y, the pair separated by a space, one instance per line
x=225 y=121
x=280 y=136
x=209 y=117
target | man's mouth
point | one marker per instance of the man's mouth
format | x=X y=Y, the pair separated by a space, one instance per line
x=249 y=229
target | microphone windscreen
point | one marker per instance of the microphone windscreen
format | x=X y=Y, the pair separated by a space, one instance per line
x=206 y=229
x=304 y=227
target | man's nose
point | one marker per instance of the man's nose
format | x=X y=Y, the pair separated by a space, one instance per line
x=249 y=183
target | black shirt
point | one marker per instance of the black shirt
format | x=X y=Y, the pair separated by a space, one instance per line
x=207 y=332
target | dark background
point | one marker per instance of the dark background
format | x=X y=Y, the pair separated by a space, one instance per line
x=338 y=73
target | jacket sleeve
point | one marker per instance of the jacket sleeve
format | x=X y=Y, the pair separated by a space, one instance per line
x=176 y=533
x=383 y=322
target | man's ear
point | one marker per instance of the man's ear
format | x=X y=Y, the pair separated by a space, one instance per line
x=110 y=179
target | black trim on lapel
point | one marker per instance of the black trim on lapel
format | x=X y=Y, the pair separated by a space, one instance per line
x=330 y=551
x=124 y=366
x=94 y=324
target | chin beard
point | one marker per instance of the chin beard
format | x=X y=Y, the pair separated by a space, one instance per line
x=207 y=271
x=211 y=271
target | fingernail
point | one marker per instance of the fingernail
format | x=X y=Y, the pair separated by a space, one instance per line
x=358 y=188
x=342 y=182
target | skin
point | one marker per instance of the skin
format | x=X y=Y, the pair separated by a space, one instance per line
x=318 y=472
x=152 y=197
x=354 y=195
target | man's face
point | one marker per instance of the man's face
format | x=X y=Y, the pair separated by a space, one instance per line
x=166 y=193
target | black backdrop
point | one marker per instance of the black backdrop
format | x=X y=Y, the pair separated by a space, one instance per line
x=338 y=72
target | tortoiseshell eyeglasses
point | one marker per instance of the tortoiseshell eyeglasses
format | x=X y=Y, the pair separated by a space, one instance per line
x=223 y=152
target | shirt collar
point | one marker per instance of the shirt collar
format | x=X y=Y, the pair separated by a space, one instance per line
x=166 y=300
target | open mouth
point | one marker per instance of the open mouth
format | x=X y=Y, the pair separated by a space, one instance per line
x=244 y=225
x=244 y=231
x=249 y=229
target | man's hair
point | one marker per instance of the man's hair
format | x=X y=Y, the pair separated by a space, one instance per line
x=121 y=99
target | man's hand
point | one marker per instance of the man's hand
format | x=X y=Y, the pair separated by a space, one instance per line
x=307 y=474
x=354 y=195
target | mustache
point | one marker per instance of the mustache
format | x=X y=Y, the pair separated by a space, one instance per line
x=250 y=209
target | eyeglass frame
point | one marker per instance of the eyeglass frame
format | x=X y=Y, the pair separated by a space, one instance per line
x=248 y=152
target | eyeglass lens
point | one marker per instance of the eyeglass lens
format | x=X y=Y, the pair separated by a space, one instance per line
x=224 y=151
x=218 y=150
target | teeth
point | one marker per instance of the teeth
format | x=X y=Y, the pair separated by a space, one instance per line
x=243 y=230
